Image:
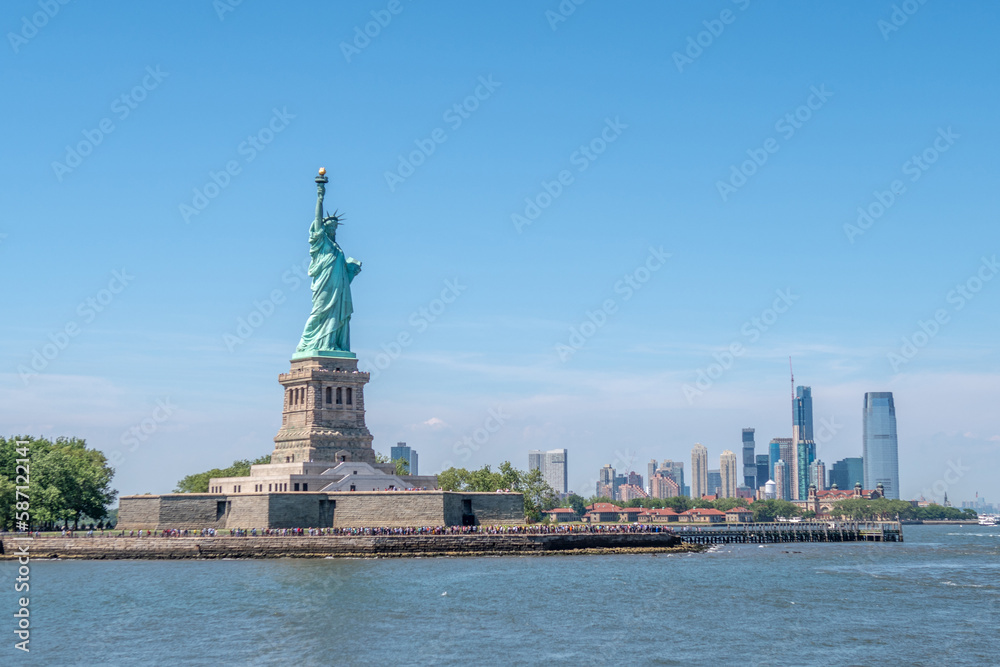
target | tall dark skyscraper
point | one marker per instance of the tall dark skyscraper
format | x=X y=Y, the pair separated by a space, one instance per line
x=881 y=447
x=749 y=463
x=802 y=430
x=802 y=412
x=845 y=472
x=763 y=469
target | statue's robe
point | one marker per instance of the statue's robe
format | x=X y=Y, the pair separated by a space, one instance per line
x=328 y=327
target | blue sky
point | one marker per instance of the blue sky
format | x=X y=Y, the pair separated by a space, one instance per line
x=118 y=120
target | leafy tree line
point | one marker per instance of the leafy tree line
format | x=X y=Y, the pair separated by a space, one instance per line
x=538 y=495
x=67 y=482
x=199 y=483
x=862 y=509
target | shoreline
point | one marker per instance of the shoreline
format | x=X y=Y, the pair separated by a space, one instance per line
x=394 y=546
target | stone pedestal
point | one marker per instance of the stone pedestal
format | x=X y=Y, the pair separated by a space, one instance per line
x=324 y=414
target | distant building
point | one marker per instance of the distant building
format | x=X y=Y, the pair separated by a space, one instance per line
x=651 y=468
x=629 y=492
x=817 y=475
x=763 y=469
x=729 y=474
x=561 y=514
x=634 y=478
x=408 y=455
x=605 y=481
x=780 y=449
x=699 y=471
x=675 y=470
x=821 y=502
x=770 y=490
x=804 y=457
x=714 y=483
x=845 y=473
x=553 y=467
x=663 y=486
x=880 y=444
x=749 y=463
x=781 y=480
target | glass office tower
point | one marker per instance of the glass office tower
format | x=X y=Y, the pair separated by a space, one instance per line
x=749 y=463
x=846 y=472
x=881 y=448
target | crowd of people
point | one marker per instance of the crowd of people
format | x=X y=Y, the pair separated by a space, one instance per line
x=501 y=529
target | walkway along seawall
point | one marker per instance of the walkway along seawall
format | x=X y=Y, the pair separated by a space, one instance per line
x=686 y=538
x=380 y=546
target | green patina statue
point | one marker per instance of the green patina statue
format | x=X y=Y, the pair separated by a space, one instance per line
x=327 y=332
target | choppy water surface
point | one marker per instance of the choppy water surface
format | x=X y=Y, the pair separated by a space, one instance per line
x=933 y=600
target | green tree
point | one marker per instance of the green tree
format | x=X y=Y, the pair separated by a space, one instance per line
x=66 y=481
x=381 y=458
x=726 y=504
x=538 y=495
x=198 y=483
x=578 y=504
x=769 y=510
x=402 y=466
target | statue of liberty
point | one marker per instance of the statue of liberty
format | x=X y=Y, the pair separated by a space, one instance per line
x=328 y=328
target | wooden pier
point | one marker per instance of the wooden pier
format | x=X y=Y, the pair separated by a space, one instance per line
x=774 y=533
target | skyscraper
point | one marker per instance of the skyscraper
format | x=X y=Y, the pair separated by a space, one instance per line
x=817 y=474
x=729 y=472
x=674 y=469
x=663 y=486
x=805 y=454
x=606 y=482
x=802 y=429
x=553 y=466
x=846 y=472
x=408 y=455
x=714 y=482
x=699 y=470
x=880 y=445
x=749 y=464
x=763 y=469
x=781 y=480
x=773 y=455
x=651 y=468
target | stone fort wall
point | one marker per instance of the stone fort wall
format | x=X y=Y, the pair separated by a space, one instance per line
x=317 y=510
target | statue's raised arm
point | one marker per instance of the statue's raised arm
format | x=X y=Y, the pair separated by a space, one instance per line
x=328 y=327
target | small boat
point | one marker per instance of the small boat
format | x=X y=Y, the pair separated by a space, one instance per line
x=988 y=520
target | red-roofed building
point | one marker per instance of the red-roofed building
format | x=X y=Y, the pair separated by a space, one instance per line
x=711 y=497
x=562 y=514
x=606 y=512
x=821 y=502
x=739 y=515
x=665 y=515
x=702 y=515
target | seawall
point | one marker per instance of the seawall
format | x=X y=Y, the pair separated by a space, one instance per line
x=383 y=546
